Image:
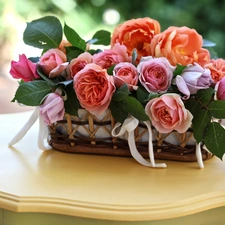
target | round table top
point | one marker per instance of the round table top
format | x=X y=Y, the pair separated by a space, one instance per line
x=101 y=187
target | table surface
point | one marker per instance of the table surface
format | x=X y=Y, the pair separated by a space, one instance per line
x=100 y=187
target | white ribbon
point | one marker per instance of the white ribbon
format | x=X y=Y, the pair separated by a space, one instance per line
x=42 y=134
x=129 y=126
x=199 y=155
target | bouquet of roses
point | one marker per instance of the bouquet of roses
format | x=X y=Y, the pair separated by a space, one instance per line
x=165 y=77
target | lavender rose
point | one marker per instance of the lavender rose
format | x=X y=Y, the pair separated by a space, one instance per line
x=52 y=109
x=192 y=79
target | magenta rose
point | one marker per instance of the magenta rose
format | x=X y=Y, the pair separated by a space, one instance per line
x=94 y=88
x=52 y=109
x=220 y=86
x=125 y=72
x=24 y=69
x=155 y=74
x=112 y=56
x=167 y=113
x=79 y=63
x=53 y=62
x=192 y=79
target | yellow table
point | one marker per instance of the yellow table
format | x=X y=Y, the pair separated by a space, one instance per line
x=61 y=188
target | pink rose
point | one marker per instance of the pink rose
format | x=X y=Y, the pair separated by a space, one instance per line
x=112 y=56
x=167 y=113
x=24 y=69
x=53 y=62
x=52 y=109
x=155 y=74
x=94 y=88
x=192 y=79
x=220 y=87
x=125 y=72
x=79 y=63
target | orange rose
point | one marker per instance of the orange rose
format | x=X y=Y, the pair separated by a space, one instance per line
x=217 y=68
x=180 y=45
x=136 y=34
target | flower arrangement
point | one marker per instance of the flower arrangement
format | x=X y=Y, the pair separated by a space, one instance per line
x=165 y=77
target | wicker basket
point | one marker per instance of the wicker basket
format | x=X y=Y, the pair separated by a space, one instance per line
x=92 y=135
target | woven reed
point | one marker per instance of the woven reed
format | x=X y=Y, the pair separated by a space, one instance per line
x=65 y=136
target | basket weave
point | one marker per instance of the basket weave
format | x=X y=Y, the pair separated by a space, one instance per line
x=92 y=135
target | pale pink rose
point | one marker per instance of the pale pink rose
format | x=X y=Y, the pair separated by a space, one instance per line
x=52 y=109
x=24 y=69
x=125 y=72
x=53 y=62
x=192 y=79
x=79 y=63
x=168 y=113
x=155 y=74
x=220 y=88
x=94 y=88
x=112 y=56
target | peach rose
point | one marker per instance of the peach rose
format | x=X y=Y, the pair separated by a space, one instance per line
x=63 y=45
x=217 y=68
x=94 y=88
x=112 y=56
x=125 y=73
x=136 y=34
x=167 y=113
x=180 y=45
x=155 y=74
x=53 y=62
x=79 y=63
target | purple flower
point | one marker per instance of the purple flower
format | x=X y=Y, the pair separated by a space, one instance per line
x=52 y=109
x=192 y=79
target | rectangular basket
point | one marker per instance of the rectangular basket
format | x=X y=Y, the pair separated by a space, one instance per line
x=92 y=135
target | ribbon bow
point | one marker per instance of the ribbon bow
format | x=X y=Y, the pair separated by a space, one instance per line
x=129 y=126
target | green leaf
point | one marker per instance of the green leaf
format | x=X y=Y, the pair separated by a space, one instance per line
x=117 y=112
x=199 y=122
x=73 y=52
x=101 y=37
x=32 y=93
x=179 y=69
x=214 y=139
x=43 y=76
x=121 y=93
x=110 y=69
x=71 y=104
x=193 y=105
x=217 y=109
x=205 y=95
x=142 y=95
x=73 y=37
x=135 y=108
x=43 y=33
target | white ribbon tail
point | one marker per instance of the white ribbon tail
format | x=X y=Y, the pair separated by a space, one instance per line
x=25 y=128
x=43 y=135
x=199 y=155
x=150 y=147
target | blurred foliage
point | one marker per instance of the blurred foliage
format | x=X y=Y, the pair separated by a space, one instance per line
x=86 y=16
